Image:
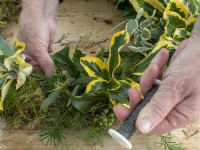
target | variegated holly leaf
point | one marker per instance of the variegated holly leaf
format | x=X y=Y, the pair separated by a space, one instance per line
x=4 y=92
x=101 y=85
x=150 y=5
x=120 y=96
x=95 y=67
x=174 y=21
x=18 y=48
x=88 y=101
x=98 y=85
x=190 y=23
x=118 y=40
x=177 y=6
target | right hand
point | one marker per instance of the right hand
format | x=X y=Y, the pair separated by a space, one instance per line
x=38 y=31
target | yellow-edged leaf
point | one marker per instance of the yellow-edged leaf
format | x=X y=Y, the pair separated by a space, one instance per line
x=95 y=67
x=1 y=104
x=21 y=78
x=19 y=60
x=96 y=84
x=142 y=66
x=4 y=91
x=177 y=6
x=138 y=8
x=156 y=4
x=19 y=47
x=118 y=40
x=174 y=21
x=26 y=68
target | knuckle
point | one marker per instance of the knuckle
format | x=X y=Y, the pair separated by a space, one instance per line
x=159 y=109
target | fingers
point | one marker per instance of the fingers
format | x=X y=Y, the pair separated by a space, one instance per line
x=123 y=112
x=159 y=107
x=183 y=114
x=45 y=62
x=153 y=71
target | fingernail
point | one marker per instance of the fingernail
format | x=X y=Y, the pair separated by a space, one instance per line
x=145 y=125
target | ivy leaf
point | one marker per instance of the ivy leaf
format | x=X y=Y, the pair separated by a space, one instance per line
x=51 y=98
x=131 y=26
x=62 y=60
x=141 y=50
x=146 y=35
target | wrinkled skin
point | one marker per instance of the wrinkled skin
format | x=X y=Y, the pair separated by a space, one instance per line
x=38 y=30
x=176 y=103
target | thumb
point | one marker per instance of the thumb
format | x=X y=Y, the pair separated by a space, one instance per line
x=159 y=107
x=46 y=63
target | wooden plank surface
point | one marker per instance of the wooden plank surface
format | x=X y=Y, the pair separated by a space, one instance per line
x=85 y=25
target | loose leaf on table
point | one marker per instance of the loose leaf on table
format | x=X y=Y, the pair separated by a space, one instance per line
x=51 y=98
x=118 y=40
x=62 y=60
x=95 y=67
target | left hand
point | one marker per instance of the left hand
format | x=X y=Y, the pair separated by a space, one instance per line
x=176 y=103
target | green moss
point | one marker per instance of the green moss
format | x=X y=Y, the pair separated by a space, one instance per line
x=22 y=106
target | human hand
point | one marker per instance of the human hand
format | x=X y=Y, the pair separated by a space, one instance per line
x=38 y=31
x=176 y=103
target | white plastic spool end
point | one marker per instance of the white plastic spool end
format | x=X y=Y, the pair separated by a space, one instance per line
x=120 y=138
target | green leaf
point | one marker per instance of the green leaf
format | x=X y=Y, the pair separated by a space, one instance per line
x=118 y=40
x=4 y=92
x=141 y=50
x=51 y=98
x=121 y=94
x=101 y=53
x=3 y=80
x=62 y=60
x=146 y=23
x=194 y=7
x=177 y=6
x=4 y=47
x=95 y=67
x=146 y=35
x=174 y=21
x=95 y=86
x=88 y=101
x=131 y=26
x=76 y=59
x=141 y=66
x=84 y=80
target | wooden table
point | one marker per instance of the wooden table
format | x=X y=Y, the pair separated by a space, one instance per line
x=85 y=25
